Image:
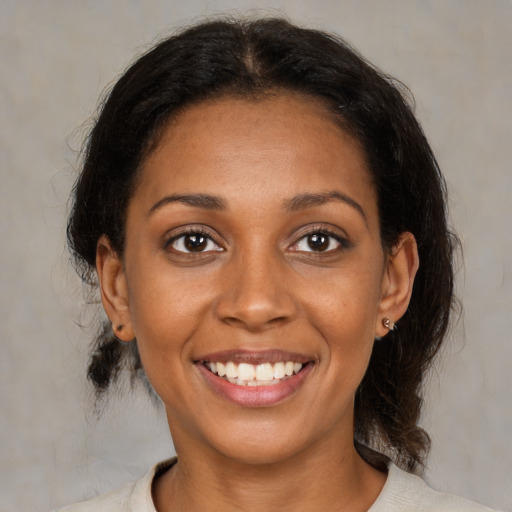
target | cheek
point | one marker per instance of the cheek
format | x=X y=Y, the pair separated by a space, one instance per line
x=164 y=302
x=165 y=313
x=347 y=302
x=344 y=311
x=350 y=337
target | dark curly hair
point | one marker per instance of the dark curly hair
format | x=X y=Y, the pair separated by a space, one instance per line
x=249 y=58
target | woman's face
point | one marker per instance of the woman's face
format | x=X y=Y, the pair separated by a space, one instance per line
x=253 y=249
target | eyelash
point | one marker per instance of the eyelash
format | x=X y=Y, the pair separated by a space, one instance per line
x=190 y=232
x=342 y=242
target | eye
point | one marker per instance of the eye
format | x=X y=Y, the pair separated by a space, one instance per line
x=318 y=241
x=194 y=241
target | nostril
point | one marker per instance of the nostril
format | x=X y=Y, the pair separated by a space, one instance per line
x=255 y=320
x=254 y=297
x=252 y=323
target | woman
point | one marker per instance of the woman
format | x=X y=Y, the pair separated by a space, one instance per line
x=267 y=224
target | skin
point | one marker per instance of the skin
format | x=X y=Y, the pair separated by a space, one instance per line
x=258 y=285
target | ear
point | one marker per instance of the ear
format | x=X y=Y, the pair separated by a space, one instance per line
x=397 y=281
x=114 y=291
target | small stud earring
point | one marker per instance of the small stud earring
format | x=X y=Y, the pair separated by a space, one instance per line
x=388 y=324
x=118 y=329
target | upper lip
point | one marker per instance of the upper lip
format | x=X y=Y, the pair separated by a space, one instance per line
x=254 y=357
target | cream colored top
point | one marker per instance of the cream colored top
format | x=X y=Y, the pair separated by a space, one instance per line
x=402 y=492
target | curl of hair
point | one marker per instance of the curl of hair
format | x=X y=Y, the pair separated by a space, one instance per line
x=251 y=59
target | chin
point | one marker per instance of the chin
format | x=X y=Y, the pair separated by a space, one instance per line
x=258 y=455
x=262 y=444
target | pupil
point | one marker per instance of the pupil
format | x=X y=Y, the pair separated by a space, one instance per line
x=318 y=242
x=195 y=242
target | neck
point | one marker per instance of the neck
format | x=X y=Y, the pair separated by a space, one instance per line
x=324 y=477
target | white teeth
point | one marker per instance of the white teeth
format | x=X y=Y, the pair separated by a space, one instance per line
x=288 y=368
x=231 y=370
x=279 y=370
x=245 y=374
x=264 y=372
x=246 y=371
x=221 y=369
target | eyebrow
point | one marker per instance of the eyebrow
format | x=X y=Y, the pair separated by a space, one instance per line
x=298 y=202
x=308 y=200
x=205 y=201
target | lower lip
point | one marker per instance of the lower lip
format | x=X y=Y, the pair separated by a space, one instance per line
x=255 y=396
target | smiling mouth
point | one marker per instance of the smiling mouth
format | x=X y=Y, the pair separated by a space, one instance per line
x=247 y=374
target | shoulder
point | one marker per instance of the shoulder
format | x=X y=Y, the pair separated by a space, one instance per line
x=404 y=492
x=114 y=501
x=133 y=497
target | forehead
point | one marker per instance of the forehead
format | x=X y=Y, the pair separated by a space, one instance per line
x=271 y=146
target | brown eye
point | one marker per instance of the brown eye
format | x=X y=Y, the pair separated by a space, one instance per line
x=318 y=242
x=194 y=242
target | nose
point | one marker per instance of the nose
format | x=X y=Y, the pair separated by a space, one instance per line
x=256 y=296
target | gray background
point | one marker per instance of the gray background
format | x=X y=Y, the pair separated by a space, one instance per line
x=55 y=59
